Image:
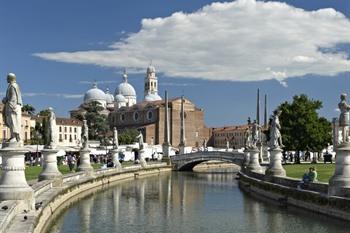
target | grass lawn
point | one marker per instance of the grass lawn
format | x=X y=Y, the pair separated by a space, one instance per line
x=33 y=172
x=324 y=171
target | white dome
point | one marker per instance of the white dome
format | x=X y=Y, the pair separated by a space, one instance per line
x=109 y=97
x=120 y=98
x=152 y=97
x=94 y=94
x=126 y=89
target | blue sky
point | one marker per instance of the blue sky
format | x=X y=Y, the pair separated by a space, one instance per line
x=239 y=48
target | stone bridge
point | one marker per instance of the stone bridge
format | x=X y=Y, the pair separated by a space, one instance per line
x=186 y=162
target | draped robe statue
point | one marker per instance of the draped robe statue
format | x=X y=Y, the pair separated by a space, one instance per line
x=12 y=113
x=51 y=131
x=275 y=133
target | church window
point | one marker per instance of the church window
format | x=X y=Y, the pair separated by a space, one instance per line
x=149 y=115
x=136 y=116
x=122 y=117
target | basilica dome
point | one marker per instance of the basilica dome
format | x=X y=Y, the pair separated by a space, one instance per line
x=120 y=98
x=109 y=97
x=125 y=88
x=95 y=94
x=152 y=97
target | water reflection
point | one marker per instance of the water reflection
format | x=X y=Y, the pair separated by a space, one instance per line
x=185 y=202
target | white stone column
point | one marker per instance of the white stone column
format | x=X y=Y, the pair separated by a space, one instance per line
x=50 y=170
x=275 y=167
x=246 y=158
x=13 y=184
x=116 y=162
x=339 y=184
x=142 y=158
x=254 y=164
x=182 y=144
x=166 y=143
x=85 y=164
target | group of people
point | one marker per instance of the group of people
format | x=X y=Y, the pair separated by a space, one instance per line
x=308 y=177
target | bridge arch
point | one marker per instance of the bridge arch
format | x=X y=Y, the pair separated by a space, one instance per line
x=187 y=162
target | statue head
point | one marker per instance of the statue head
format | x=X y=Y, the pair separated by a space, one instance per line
x=11 y=77
x=343 y=96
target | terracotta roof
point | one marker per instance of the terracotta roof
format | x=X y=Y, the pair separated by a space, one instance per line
x=229 y=128
x=61 y=120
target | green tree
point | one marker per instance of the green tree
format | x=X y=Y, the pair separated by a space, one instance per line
x=128 y=136
x=44 y=113
x=28 y=108
x=97 y=122
x=302 y=128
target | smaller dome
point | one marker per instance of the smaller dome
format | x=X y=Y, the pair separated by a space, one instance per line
x=120 y=98
x=152 y=97
x=109 y=97
x=94 y=94
x=151 y=69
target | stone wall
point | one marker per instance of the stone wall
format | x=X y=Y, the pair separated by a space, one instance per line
x=284 y=191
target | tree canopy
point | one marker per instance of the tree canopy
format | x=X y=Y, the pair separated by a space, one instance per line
x=28 y=108
x=128 y=136
x=97 y=122
x=302 y=128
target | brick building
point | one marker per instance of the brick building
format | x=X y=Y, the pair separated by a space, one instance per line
x=149 y=116
x=233 y=134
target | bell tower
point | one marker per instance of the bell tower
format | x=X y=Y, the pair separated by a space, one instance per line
x=151 y=81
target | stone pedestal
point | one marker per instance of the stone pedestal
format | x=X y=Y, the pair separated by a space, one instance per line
x=13 y=184
x=85 y=164
x=50 y=170
x=116 y=162
x=246 y=158
x=265 y=154
x=142 y=159
x=275 y=167
x=339 y=184
x=254 y=164
x=166 y=153
x=181 y=149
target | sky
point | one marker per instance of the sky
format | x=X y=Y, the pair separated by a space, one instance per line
x=216 y=53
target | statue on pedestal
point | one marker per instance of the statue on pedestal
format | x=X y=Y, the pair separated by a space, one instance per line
x=12 y=113
x=51 y=131
x=248 y=141
x=256 y=134
x=205 y=145
x=140 y=138
x=275 y=133
x=344 y=118
x=85 y=135
x=115 y=138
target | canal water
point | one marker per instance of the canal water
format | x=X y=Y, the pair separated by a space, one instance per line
x=205 y=202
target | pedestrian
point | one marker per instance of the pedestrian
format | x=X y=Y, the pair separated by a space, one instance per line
x=71 y=162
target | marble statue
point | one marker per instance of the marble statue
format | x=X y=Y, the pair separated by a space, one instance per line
x=275 y=133
x=344 y=117
x=85 y=134
x=140 y=138
x=227 y=144
x=115 y=138
x=248 y=140
x=51 y=131
x=205 y=144
x=256 y=133
x=12 y=113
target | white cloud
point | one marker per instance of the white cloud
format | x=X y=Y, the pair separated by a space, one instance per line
x=99 y=82
x=230 y=41
x=59 y=95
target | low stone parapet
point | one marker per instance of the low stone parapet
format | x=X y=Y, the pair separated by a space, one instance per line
x=51 y=199
x=284 y=190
